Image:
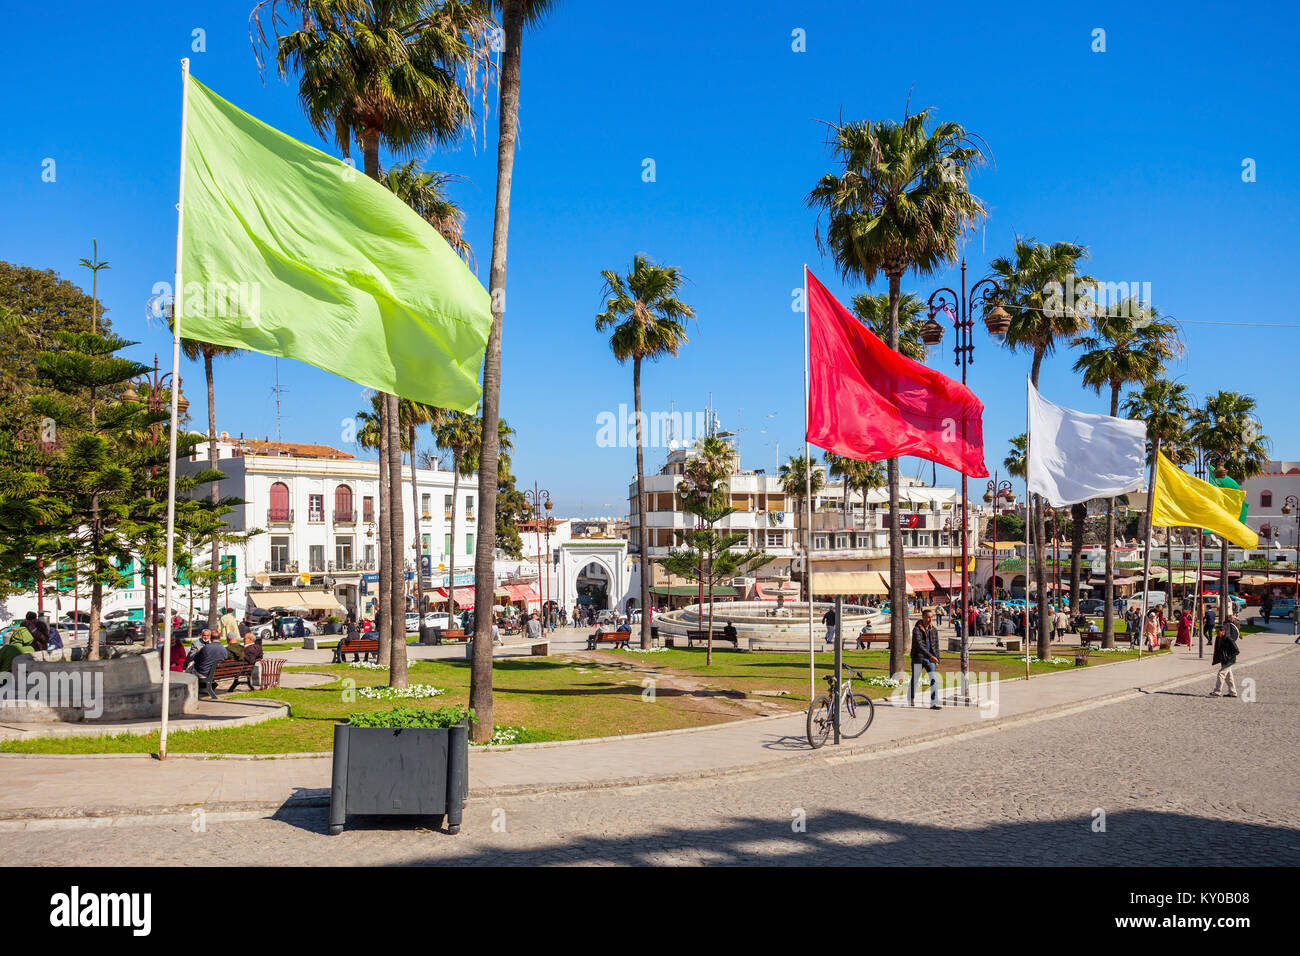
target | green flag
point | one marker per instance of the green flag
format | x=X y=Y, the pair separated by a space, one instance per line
x=288 y=251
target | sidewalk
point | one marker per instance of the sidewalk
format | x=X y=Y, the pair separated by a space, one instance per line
x=36 y=787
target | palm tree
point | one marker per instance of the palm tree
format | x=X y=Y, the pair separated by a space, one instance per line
x=455 y=432
x=796 y=483
x=902 y=201
x=1227 y=430
x=1129 y=347
x=873 y=310
x=1167 y=411
x=414 y=415
x=867 y=477
x=516 y=15
x=1014 y=463
x=425 y=191
x=645 y=320
x=373 y=434
x=703 y=492
x=385 y=72
x=193 y=350
x=1036 y=280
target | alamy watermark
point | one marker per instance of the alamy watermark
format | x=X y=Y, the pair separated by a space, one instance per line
x=659 y=429
x=83 y=690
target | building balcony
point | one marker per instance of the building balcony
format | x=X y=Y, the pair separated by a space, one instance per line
x=282 y=567
x=316 y=517
x=279 y=516
x=345 y=517
x=344 y=566
x=368 y=517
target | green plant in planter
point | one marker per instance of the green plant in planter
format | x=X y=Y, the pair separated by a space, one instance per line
x=443 y=717
x=333 y=619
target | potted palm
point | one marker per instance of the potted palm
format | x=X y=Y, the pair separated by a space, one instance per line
x=401 y=761
x=332 y=625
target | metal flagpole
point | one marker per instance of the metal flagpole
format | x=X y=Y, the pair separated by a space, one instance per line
x=807 y=461
x=1146 y=558
x=177 y=309
x=1029 y=508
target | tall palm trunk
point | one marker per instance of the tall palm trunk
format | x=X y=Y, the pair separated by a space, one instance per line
x=1040 y=555
x=1078 y=518
x=415 y=520
x=897 y=577
x=480 y=688
x=389 y=580
x=385 y=543
x=1225 y=604
x=215 y=565
x=451 y=551
x=1108 y=613
x=397 y=674
x=640 y=507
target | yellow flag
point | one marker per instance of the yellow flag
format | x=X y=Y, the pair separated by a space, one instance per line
x=1181 y=499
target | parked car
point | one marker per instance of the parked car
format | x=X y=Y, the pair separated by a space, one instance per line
x=1283 y=607
x=291 y=627
x=1212 y=600
x=124 y=632
x=1092 y=606
x=442 y=620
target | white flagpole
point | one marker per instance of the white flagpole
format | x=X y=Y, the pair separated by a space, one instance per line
x=177 y=309
x=1146 y=558
x=807 y=460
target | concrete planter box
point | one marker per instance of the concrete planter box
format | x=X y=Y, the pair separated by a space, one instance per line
x=408 y=771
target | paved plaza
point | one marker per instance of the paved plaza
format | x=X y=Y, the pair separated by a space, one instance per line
x=1164 y=775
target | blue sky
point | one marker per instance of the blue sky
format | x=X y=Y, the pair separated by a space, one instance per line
x=1136 y=152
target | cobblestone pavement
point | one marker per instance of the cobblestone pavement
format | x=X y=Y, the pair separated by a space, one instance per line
x=1176 y=777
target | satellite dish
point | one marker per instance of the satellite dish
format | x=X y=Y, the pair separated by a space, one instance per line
x=262 y=578
x=304 y=577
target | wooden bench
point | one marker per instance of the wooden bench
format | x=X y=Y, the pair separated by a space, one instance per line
x=617 y=638
x=873 y=638
x=233 y=671
x=703 y=637
x=359 y=648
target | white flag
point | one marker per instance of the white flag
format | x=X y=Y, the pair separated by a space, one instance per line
x=1075 y=456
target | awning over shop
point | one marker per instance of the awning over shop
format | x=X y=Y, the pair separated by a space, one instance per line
x=919 y=581
x=523 y=592
x=948 y=580
x=309 y=600
x=848 y=582
x=464 y=596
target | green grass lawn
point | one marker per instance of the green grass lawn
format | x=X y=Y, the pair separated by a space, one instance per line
x=553 y=698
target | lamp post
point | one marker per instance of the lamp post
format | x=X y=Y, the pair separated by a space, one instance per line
x=959 y=308
x=153 y=388
x=1289 y=504
x=540 y=500
x=996 y=493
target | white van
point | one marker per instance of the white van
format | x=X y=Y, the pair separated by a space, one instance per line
x=1154 y=599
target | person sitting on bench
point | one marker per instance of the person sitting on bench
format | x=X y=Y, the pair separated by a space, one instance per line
x=208 y=657
x=729 y=633
x=863 y=634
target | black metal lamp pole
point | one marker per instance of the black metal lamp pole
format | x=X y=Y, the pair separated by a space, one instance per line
x=959 y=307
x=540 y=499
x=1289 y=504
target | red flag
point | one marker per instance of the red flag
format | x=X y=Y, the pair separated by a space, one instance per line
x=868 y=402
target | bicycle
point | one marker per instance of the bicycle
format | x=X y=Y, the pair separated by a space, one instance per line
x=856 y=711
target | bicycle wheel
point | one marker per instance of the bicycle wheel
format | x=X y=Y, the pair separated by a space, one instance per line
x=819 y=721
x=856 y=716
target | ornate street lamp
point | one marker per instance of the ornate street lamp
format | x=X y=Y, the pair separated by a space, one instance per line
x=995 y=494
x=540 y=499
x=1289 y=504
x=960 y=308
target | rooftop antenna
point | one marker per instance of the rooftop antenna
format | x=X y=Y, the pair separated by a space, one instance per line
x=277 y=389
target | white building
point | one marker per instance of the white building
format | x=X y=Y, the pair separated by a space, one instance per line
x=317 y=508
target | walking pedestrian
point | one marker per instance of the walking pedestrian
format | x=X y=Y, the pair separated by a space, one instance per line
x=829 y=620
x=1225 y=655
x=925 y=653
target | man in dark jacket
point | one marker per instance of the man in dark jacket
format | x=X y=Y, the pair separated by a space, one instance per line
x=1225 y=655
x=209 y=655
x=925 y=653
x=829 y=620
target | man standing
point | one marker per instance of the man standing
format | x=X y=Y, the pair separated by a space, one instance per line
x=829 y=620
x=227 y=626
x=1210 y=618
x=925 y=653
x=1225 y=655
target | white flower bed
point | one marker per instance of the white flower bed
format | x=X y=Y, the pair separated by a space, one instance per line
x=505 y=734
x=369 y=665
x=881 y=681
x=415 y=691
x=1054 y=661
x=645 y=650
